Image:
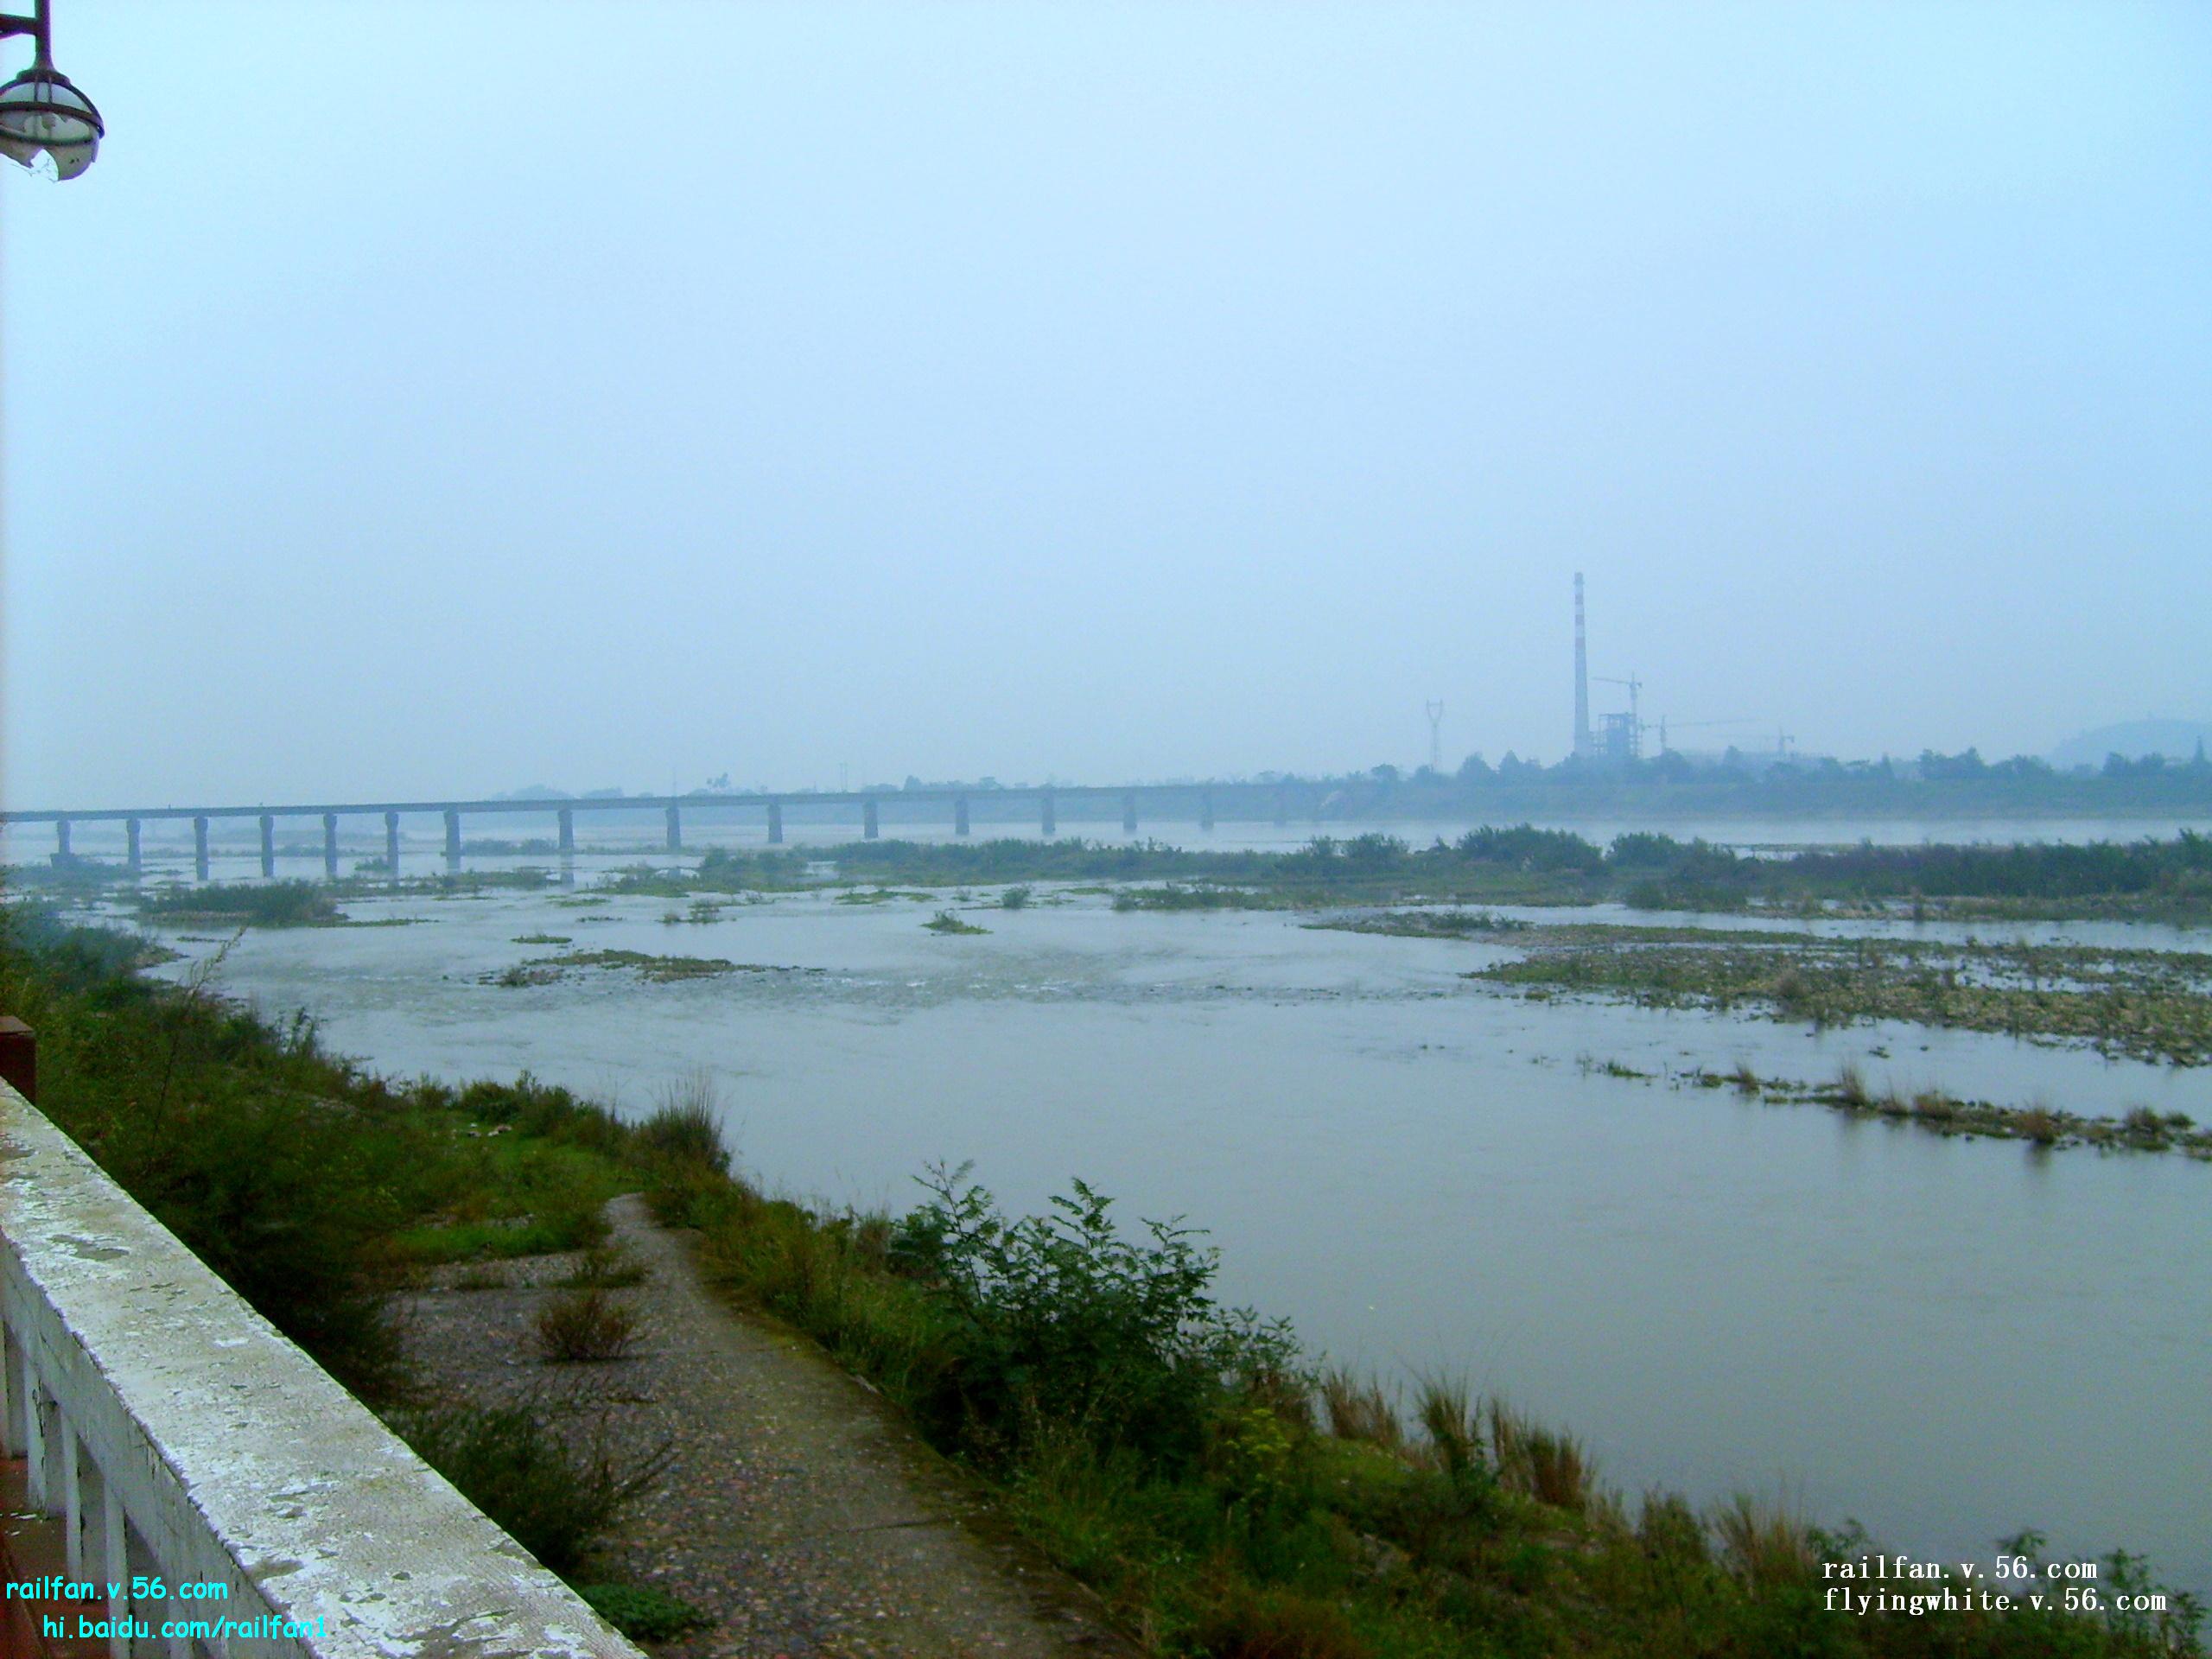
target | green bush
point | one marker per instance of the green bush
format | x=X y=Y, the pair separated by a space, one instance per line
x=1059 y=1322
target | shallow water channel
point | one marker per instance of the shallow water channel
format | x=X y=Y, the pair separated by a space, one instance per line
x=1947 y=1340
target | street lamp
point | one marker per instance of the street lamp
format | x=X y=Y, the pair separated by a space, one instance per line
x=40 y=113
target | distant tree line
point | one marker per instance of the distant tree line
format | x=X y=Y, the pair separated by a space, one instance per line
x=1931 y=784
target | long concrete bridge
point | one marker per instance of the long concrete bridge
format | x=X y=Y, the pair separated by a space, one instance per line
x=1174 y=803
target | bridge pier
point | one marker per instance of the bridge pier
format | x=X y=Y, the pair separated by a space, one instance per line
x=391 y=844
x=869 y=828
x=1206 y=809
x=61 y=853
x=453 y=842
x=1282 y=808
x=675 y=831
x=960 y=815
x=268 y=847
x=1129 y=813
x=775 y=823
x=135 y=858
x=1047 y=822
x=568 y=831
x=330 y=846
x=200 y=847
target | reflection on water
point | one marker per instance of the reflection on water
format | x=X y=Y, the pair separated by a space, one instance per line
x=1947 y=1340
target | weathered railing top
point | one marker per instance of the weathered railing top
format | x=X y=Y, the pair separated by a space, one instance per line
x=233 y=1449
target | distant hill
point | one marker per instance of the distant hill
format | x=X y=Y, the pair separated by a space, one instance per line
x=2175 y=739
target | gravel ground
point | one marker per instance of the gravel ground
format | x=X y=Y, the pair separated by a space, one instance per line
x=794 y=1508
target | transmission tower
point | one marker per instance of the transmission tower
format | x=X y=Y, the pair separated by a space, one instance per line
x=1435 y=734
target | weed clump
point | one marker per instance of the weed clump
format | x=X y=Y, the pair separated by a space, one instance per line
x=603 y=1267
x=641 y=1612
x=585 y=1326
x=1361 y=1411
x=685 y=1130
x=554 y=1494
x=945 y=922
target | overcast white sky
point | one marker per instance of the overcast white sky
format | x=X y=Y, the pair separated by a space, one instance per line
x=426 y=398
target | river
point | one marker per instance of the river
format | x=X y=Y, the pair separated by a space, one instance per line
x=1946 y=1340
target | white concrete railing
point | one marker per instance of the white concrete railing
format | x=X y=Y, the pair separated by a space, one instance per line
x=178 y=1434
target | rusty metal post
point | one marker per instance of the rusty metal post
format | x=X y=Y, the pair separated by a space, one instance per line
x=19 y=1057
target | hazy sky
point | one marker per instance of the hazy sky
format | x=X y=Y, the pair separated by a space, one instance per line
x=427 y=398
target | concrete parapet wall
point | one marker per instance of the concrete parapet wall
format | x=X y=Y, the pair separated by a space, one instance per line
x=179 y=1434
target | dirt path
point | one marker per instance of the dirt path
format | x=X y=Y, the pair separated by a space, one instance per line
x=795 y=1508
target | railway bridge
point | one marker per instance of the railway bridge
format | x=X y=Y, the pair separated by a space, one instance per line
x=1047 y=805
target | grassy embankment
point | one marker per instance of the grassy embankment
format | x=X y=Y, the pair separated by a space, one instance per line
x=1176 y=1454
x=1179 y=1457
x=317 y=1192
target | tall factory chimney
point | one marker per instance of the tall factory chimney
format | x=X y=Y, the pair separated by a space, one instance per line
x=1582 y=745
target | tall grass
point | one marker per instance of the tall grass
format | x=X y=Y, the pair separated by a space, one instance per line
x=686 y=1127
x=1767 y=1545
x=1359 y=1409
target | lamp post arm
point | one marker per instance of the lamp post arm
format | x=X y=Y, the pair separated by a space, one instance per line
x=37 y=26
